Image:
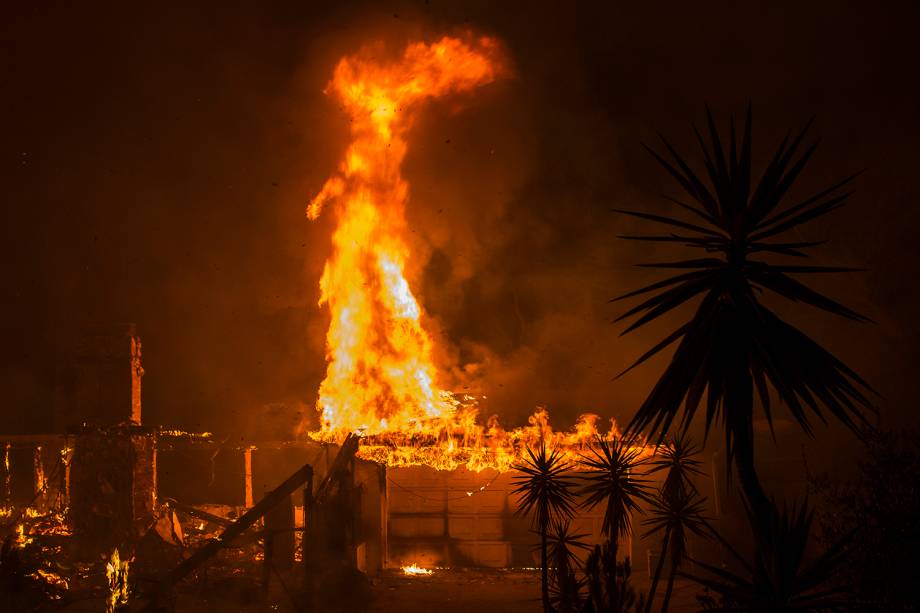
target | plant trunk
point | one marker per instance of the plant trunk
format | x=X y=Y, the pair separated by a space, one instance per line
x=739 y=400
x=613 y=586
x=667 y=593
x=658 y=569
x=544 y=570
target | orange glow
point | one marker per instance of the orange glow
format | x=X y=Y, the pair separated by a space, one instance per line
x=380 y=379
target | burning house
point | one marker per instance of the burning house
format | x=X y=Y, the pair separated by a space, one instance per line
x=388 y=263
x=114 y=489
x=431 y=482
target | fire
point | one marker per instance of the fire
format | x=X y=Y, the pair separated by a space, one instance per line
x=22 y=539
x=7 y=484
x=116 y=572
x=380 y=375
x=415 y=570
x=40 y=481
x=380 y=378
x=463 y=442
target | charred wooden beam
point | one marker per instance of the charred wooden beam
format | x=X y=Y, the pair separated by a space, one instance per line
x=340 y=467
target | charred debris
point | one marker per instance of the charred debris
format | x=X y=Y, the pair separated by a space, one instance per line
x=108 y=514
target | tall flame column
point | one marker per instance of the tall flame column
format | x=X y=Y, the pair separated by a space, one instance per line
x=380 y=375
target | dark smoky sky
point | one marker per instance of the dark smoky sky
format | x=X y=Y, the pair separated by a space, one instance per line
x=156 y=160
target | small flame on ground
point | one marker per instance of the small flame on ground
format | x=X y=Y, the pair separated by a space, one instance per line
x=116 y=571
x=416 y=570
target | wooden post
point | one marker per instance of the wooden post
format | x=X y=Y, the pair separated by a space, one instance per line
x=268 y=560
x=307 y=544
x=306 y=541
x=279 y=529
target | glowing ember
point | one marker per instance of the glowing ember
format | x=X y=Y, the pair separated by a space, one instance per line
x=184 y=434
x=52 y=579
x=380 y=378
x=7 y=484
x=41 y=482
x=415 y=570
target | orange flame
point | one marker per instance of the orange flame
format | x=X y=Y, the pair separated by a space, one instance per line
x=380 y=375
x=380 y=378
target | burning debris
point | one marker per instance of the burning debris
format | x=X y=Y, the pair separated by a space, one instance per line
x=116 y=571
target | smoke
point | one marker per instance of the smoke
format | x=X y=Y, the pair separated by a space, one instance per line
x=160 y=161
x=520 y=252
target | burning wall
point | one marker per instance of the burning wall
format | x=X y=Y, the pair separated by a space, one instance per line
x=463 y=518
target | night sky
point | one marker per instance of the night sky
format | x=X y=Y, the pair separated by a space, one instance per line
x=156 y=160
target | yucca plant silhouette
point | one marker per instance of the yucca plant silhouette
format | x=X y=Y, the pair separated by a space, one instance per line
x=675 y=516
x=609 y=583
x=610 y=479
x=547 y=494
x=676 y=511
x=565 y=586
x=678 y=459
x=733 y=344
